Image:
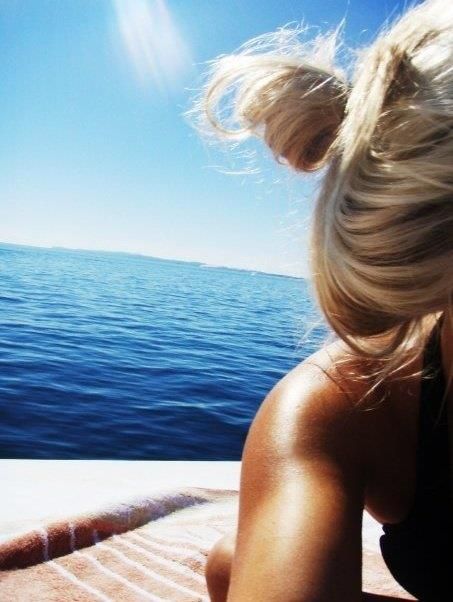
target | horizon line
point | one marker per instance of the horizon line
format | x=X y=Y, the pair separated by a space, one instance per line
x=138 y=254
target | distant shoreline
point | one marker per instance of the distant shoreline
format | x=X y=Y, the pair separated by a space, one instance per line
x=201 y=264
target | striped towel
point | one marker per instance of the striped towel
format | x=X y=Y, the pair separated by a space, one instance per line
x=148 y=549
x=153 y=549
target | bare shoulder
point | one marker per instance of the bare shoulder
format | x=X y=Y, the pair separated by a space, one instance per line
x=317 y=397
x=311 y=414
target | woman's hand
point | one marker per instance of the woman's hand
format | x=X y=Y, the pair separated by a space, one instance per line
x=301 y=498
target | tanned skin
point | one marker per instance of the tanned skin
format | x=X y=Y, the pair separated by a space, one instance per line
x=313 y=460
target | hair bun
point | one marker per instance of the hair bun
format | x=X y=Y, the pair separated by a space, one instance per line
x=301 y=117
x=272 y=89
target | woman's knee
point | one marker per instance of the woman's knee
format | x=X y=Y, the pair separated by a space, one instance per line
x=218 y=567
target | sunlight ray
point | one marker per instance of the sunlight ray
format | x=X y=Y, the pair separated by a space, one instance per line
x=153 y=43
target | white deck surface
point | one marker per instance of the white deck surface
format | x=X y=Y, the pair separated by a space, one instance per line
x=33 y=491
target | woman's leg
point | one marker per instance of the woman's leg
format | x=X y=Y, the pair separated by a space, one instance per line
x=218 y=568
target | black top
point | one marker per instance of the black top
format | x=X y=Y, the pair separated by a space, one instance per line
x=418 y=550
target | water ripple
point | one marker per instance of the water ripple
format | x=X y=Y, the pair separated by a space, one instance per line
x=119 y=356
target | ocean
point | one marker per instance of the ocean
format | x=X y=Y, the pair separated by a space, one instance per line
x=118 y=356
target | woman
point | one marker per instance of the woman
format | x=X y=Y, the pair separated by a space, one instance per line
x=362 y=423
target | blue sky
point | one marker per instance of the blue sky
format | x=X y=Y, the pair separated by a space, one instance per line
x=95 y=153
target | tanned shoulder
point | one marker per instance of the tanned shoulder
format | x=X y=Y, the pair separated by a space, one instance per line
x=311 y=413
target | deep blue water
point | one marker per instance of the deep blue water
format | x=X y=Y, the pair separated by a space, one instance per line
x=108 y=355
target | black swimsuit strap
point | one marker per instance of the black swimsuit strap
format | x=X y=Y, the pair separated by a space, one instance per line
x=432 y=375
x=433 y=455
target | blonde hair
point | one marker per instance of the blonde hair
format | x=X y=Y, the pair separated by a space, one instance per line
x=382 y=242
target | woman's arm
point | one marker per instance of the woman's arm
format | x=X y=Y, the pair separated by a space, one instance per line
x=301 y=499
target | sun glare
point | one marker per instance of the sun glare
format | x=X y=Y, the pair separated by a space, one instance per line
x=152 y=42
